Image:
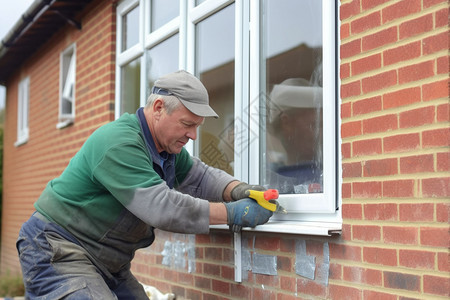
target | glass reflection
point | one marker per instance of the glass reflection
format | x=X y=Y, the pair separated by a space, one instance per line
x=163 y=11
x=130 y=28
x=198 y=2
x=215 y=67
x=130 y=91
x=292 y=51
x=161 y=59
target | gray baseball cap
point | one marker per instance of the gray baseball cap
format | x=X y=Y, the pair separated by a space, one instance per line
x=188 y=89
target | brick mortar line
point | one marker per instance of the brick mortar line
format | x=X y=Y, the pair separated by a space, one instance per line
x=397 y=110
x=392 y=291
x=90 y=73
x=395 y=67
x=396 y=201
x=396 y=177
x=396 y=269
x=85 y=109
x=366 y=136
x=207 y=276
x=186 y=286
x=397 y=223
x=384 y=246
x=380 y=267
x=403 y=155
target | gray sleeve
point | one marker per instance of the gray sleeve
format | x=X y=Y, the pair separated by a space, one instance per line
x=167 y=209
x=205 y=182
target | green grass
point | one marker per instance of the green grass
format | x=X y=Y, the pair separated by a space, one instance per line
x=11 y=285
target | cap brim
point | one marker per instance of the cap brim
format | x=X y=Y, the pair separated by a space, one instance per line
x=296 y=96
x=201 y=110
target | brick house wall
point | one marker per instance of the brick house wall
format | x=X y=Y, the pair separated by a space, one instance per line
x=395 y=163
x=29 y=167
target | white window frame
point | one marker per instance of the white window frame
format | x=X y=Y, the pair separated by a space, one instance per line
x=67 y=84
x=305 y=207
x=308 y=213
x=317 y=214
x=134 y=52
x=23 y=102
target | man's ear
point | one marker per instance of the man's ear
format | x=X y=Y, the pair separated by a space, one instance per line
x=158 y=107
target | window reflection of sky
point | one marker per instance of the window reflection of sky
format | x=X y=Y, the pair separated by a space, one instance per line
x=163 y=11
x=218 y=50
x=289 y=23
x=162 y=59
x=130 y=28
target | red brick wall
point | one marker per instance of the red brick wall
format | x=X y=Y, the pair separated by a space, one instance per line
x=395 y=138
x=28 y=168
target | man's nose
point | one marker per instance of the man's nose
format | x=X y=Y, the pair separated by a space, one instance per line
x=192 y=133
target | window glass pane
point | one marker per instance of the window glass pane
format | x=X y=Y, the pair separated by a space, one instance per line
x=292 y=69
x=26 y=102
x=22 y=110
x=161 y=59
x=68 y=83
x=163 y=11
x=215 y=67
x=130 y=28
x=130 y=90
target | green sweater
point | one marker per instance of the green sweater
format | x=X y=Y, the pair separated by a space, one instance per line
x=111 y=198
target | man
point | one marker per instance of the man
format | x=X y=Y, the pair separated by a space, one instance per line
x=131 y=176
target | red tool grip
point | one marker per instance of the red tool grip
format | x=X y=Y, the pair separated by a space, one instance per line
x=271 y=194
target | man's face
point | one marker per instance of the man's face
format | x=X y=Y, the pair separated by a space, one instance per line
x=172 y=132
x=299 y=133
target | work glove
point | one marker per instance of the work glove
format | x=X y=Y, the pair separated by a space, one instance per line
x=241 y=190
x=246 y=213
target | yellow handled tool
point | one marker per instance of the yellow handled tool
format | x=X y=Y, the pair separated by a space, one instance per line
x=267 y=199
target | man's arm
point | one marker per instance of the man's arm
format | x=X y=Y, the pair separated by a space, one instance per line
x=228 y=189
x=217 y=214
x=205 y=182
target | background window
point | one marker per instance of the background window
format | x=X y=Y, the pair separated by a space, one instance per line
x=130 y=28
x=67 y=87
x=22 y=111
x=161 y=59
x=130 y=87
x=215 y=68
x=144 y=57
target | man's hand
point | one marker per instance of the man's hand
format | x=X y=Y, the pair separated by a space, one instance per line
x=241 y=191
x=246 y=213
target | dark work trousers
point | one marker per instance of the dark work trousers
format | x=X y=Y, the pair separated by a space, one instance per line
x=55 y=266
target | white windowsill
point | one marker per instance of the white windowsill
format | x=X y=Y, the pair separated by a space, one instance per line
x=21 y=142
x=64 y=124
x=294 y=227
